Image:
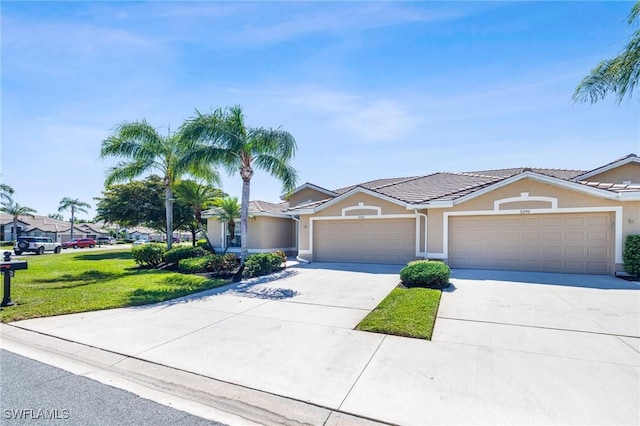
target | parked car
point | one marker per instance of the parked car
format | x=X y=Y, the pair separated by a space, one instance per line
x=140 y=242
x=79 y=243
x=105 y=240
x=37 y=245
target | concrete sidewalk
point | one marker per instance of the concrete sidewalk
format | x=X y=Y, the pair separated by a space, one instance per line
x=504 y=351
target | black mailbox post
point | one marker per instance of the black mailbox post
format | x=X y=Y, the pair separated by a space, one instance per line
x=8 y=268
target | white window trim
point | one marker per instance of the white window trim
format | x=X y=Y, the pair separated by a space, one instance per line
x=361 y=206
x=615 y=209
x=524 y=196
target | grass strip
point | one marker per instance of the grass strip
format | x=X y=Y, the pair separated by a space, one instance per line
x=408 y=312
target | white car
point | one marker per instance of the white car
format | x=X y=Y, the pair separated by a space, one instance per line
x=37 y=245
x=140 y=242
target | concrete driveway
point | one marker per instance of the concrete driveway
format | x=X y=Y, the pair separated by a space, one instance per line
x=514 y=347
x=507 y=347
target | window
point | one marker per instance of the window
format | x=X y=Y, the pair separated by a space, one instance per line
x=233 y=241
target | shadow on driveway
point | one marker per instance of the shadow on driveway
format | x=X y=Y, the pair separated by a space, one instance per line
x=604 y=282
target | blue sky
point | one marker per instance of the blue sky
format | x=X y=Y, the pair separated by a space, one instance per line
x=368 y=89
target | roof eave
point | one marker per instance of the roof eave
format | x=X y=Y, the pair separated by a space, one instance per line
x=606 y=168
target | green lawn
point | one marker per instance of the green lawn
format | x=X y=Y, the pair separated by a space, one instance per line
x=409 y=312
x=78 y=282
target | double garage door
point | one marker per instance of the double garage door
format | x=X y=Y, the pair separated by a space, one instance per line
x=576 y=243
x=389 y=241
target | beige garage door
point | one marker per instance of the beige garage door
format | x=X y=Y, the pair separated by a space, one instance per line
x=576 y=243
x=367 y=241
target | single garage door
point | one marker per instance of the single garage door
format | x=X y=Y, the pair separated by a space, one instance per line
x=576 y=243
x=366 y=241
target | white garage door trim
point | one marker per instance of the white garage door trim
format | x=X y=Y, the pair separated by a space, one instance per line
x=616 y=209
x=364 y=217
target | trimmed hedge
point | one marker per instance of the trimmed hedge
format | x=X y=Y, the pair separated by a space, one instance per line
x=215 y=263
x=148 y=254
x=631 y=254
x=425 y=273
x=204 y=244
x=264 y=263
x=179 y=253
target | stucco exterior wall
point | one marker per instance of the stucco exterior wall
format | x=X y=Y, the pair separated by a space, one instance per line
x=386 y=208
x=566 y=199
x=306 y=195
x=275 y=233
x=627 y=172
x=214 y=232
x=265 y=233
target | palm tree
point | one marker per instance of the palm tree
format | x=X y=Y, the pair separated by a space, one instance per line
x=227 y=210
x=5 y=192
x=198 y=196
x=619 y=75
x=76 y=206
x=143 y=150
x=238 y=148
x=16 y=210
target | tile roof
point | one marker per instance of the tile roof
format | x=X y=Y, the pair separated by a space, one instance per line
x=267 y=207
x=448 y=186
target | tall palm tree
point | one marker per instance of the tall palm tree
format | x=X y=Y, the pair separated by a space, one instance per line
x=619 y=75
x=143 y=150
x=238 y=148
x=227 y=211
x=198 y=196
x=76 y=206
x=5 y=192
x=16 y=210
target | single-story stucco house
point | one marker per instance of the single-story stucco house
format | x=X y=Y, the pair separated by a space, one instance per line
x=528 y=219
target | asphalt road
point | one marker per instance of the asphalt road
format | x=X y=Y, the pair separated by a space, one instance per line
x=35 y=393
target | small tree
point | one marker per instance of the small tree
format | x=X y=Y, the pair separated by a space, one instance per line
x=227 y=210
x=16 y=210
x=198 y=196
x=75 y=205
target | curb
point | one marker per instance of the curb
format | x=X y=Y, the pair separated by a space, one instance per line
x=195 y=394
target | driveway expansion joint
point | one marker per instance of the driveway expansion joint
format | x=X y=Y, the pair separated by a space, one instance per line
x=569 y=330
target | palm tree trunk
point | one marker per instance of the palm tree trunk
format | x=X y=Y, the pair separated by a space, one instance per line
x=168 y=201
x=244 y=221
x=73 y=210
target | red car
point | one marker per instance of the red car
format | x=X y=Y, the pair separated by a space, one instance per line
x=79 y=243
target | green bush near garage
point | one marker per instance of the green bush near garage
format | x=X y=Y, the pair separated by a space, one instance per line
x=264 y=263
x=631 y=254
x=217 y=264
x=425 y=273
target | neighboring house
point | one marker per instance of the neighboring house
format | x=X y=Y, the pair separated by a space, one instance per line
x=44 y=226
x=528 y=219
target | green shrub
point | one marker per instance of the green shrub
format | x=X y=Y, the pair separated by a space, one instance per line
x=6 y=243
x=183 y=252
x=148 y=254
x=223 y=264
x=204 y=244
x=263 y=264
x=193 y=265
x=631 y=254
x=215 y=263
x=425 y=273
